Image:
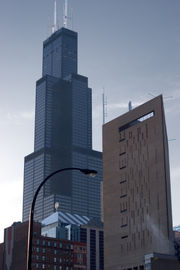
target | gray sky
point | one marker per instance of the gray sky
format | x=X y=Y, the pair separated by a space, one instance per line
x=129 y=47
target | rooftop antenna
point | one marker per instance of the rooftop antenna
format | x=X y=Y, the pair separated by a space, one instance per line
x=71 y=17
x=54 y=28
x=165 y=97
x=130 y=106
x=104 y=103
x=65 y=15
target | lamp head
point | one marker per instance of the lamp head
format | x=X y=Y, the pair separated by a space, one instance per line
x=90 y=173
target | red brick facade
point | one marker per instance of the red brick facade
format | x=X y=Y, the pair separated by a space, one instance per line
x=48 y=253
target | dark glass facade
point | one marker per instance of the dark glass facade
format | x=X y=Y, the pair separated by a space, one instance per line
x=63 y=135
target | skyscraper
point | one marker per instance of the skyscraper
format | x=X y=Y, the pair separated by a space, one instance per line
x=63 y=135
x=136 y=180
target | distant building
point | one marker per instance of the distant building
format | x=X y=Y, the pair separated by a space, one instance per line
x=48 y=253
x=177 y=228
x=1 y=255
x=137 y=196
x=63 y=135
x=79 y=229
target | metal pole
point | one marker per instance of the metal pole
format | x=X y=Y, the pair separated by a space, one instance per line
x=31 y=215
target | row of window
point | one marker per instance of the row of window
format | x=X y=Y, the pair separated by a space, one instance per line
x=44 y=266
x=56 y=245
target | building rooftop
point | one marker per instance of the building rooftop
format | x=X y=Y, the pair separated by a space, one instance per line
x=68 y=218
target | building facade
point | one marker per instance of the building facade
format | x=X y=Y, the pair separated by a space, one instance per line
x=48 y=253
x=78 y=229
x=136 y=181
x=63 y=135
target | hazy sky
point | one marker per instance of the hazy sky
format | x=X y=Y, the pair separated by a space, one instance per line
x=129 y=47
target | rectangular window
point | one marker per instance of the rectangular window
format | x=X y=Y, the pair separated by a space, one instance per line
x=123 y=153
x=123 y=196
x=123 y=181
x=124 y=225
x=124 y=210
x=125 y=236
x=136 y=121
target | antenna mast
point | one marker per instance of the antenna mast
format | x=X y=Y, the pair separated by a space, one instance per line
x=104 y=103
x=54 y=28
x=130 y=105
x=65 y=16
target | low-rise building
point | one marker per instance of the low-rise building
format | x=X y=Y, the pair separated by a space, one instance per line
x=48 y=252
x=79 y=229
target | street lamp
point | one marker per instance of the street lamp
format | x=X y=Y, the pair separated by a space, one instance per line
x=88 y=172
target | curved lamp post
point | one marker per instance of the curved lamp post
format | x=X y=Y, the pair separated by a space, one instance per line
x=91 y=173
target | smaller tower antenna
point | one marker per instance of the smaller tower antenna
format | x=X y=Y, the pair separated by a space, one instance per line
x=54 y=28
x=130 y=105
x=71 y=18
x=65 y=15
x=104 y=103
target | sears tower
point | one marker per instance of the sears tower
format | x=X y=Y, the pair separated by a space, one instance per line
x=63 y=135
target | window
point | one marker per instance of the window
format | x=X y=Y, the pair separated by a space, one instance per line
x=80 y=256
x=60 y=245
x=123 y=181
x=135 y=122
x=44 y=242
x=125 y=236
x=123 y=210
x=43 y=258
x=37 y=265
x=37 y=242
x=55 y=244
x=124 y=225
x=43 y=250
x=49 y=243
x=123 y=196
x=37 y=249
x=43 y=266
x=54 y=259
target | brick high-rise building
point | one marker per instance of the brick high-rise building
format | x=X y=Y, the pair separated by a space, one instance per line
x=136 y=180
